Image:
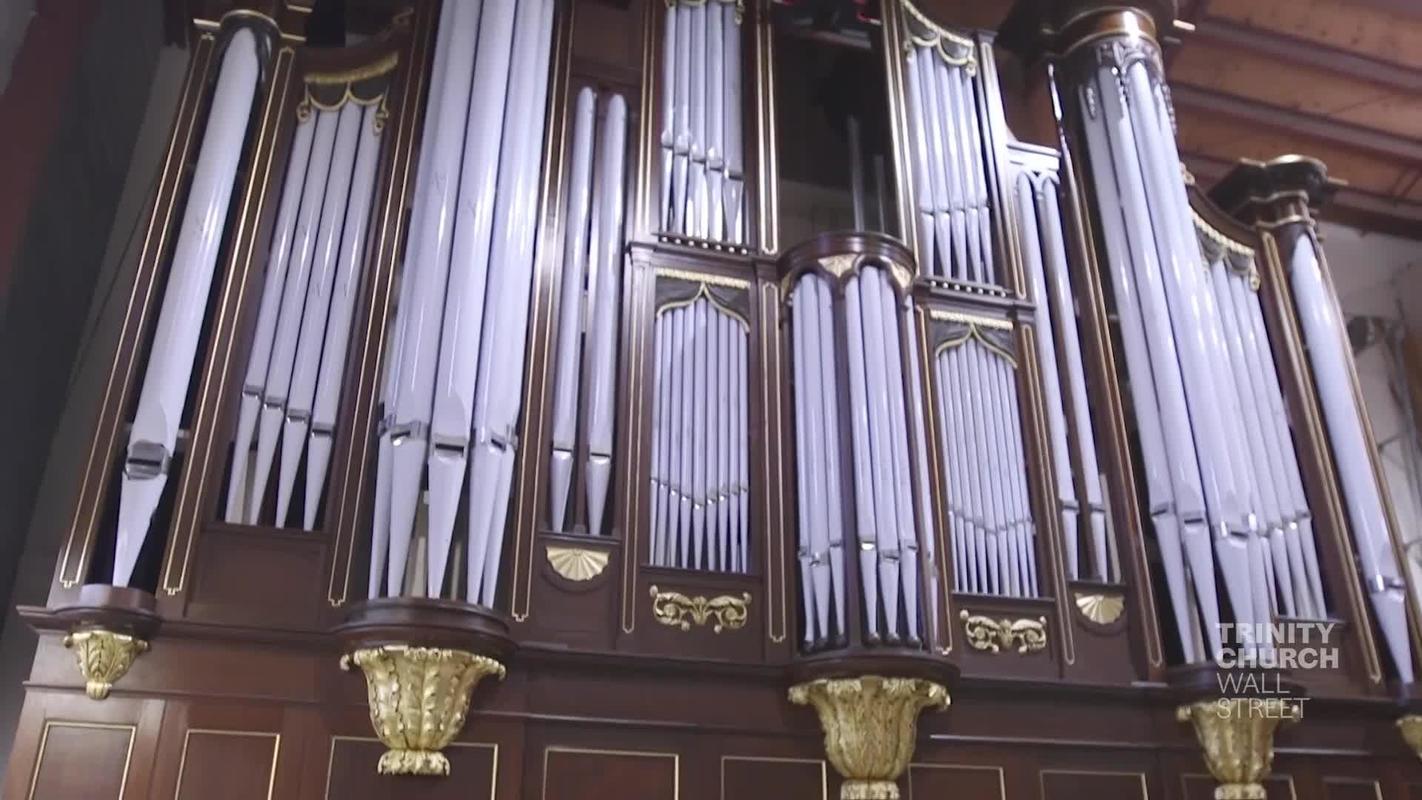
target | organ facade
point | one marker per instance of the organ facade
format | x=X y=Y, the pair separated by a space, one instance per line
x=705 y=399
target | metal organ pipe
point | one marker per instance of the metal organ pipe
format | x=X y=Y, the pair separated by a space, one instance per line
x=427 y=262
x=1323 y=332
x=570 y=309
x=153 y=437
x=256 y=375
x=701 y=187
x=338 y=328
x=317 y=308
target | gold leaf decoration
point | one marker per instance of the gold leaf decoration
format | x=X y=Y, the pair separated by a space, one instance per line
x=418 y=697
x=1099 y=607
x=681 y=611
x=870 y=726
x=577 y=563
x=995 y=635
x=1237 y=737
x=1411 y=728
x=104 y=657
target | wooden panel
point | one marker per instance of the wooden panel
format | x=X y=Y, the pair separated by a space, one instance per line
x=958 y=781
x=350 y=773
x=1202 y=787
x=1074 y=785
x=227 y=765
x=798 y=778
x=82 y=759
x=577 y=774
x=1351 y=789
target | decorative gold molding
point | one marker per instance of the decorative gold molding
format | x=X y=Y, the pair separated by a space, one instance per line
x=993 y=635
x=419 y=698
x=1100 y=607
x=946 y=315
x=1237 y=736
x=104 y=657
x=709 y=278
x=577 y=563
x=870 y=725
x=1410 y=727
x=680 y=611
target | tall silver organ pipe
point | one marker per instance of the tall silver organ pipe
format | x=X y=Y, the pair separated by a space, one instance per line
x=700 y=432
x=154 y=434
x=946 y=112
x=589 y=297
x=702 y=189
x=1080 y=499
x=1323 y=332
x=855 y=376
x=465 y=289
x=295 y=369
x=1185 y=322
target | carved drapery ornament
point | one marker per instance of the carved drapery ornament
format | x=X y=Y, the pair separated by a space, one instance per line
x=1411 y=728
x=419 y=697
x=104 y=657
x=1237 y=735
x=870 y=725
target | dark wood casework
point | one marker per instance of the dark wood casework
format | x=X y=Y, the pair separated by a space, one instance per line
x=643 y=399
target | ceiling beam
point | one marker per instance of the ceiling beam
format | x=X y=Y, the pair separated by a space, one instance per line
x=1345 y=134
x=1306 y=53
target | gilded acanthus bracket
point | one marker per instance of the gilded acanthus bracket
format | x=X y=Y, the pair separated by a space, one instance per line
x=1410 y=727
x=104 y=657
x=1237 y=736
x=419 y=698
x=870 y=725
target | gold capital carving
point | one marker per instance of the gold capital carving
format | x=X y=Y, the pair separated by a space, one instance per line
x=1411 y=728
x=682 y=611
x=104 y=657
x=870 y=726
x=419 y=698
x=995 y=635
x=1237 y=735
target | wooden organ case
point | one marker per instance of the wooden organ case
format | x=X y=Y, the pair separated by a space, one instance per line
x=476 y=360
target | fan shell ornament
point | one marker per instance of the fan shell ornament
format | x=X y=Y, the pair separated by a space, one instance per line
x=577 y=564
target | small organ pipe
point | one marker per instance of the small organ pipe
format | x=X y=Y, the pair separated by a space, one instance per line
x=570 y=310
x=317 y=308
x=255 y=378
x=715 y=120
x=669 y=112
x=735 y=180
x=348 y=279
x=919 y=144
x=602 y=400
x=864 y=478
x=276 y=388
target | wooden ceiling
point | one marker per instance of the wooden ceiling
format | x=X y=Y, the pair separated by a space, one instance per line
x=1337 y=79
x=1340 y=80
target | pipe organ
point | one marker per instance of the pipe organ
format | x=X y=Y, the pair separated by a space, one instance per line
x=470 y=350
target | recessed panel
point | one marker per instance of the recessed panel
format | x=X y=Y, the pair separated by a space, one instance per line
x=750 y=776
x=958 y=781
x=1087 y=785
x=79 y=759
x=228 y=765
x=589 y=774
x=351 y=773
x=1351 y=789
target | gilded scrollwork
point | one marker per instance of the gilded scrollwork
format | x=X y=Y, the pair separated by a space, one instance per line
x=996 y=635
x=682 y=611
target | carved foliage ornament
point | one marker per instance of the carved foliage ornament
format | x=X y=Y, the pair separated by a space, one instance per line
x=419 y=697
x=1237 y=735
x=681 y=611
x=870 y=725
x=1411 y=728
x=104 y=657
x=995 y=635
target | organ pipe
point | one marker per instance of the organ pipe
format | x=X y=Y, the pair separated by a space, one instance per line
x=153 y=438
